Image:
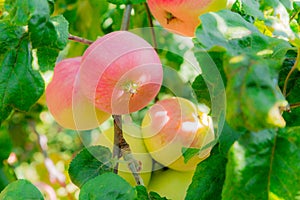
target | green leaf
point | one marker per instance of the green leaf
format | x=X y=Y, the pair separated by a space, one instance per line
x=142 y=194
x=108 y=186
x=253 y=94
x=5 y=144
x=264 y=164
x=20 y=85
x=155 y=196
x=227 y=138
x=21 y=12
x=48 y=38
x=20 y=190
x=120 y=2
x=188 y=153
x=201 y=90
x=10 y=36
x=249 y=7
x=208 y=178
x=7 y=176
x=173 y=82
x=89 y=163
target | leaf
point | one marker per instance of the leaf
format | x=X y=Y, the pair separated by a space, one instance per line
x=49 y=38
x=5 y=144
x=21 y=13
x=253 y=96
x=7 y=176
x=155 y=196
x=89 y=163
x=173 y=82
x=10 y=36
x=20 y=190
x=264 y=164
x=108 y=186
x=142 y=194
x=188 y=153
x=227 y=138
x=20 y=85
x=208 y=178
x=201 y=90
x=249 y=7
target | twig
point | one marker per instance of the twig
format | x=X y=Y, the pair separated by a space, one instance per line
x=290 y=73
x=126 y=18
x=295 y=105
x=121 y=147
x=151 y=26
x=79 y=39
x=118 y=139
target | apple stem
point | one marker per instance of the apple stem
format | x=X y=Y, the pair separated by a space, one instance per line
x=170 y=17
x=80 y=39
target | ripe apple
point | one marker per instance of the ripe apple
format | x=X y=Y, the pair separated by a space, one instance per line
x=133 y=137
x=66 y=102
x=174 y=123
x=182 y=16
x=120 y=73
x=170 y=183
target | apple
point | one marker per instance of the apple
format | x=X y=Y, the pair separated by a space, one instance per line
x=173 y=123
x=170 y=183
x=66 y=102
x=133 y=137
x=182 y=16
x=120 y=73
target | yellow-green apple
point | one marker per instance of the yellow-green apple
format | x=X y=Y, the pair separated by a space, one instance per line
x=66 y=102
x=172 y=124
x=133 y=137
x=120 y=73
x=170 y=183
x=182 y=16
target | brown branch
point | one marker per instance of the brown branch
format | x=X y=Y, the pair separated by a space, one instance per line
x=79 y=39
x=121 y=147
x=295 y=105
x=290 y=73
x=154 y=42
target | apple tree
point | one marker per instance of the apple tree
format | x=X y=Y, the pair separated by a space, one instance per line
x=149 y=99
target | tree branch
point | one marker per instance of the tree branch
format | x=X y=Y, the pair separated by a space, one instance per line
x=79 y=39
x=121 y=147
x=290 y=73
x=154 y=42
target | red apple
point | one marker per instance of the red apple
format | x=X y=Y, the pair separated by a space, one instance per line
x=182 y=16
x=174 y=123
x=120 y=73
x=66 y=102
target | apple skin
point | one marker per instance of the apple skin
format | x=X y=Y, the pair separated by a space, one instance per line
x=182 y=16
x=170 y=183
x=66 y=102
x=133 y=137
x=174 y=123
x=120 y=73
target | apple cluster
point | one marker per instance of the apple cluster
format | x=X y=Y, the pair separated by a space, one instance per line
x=118 y=74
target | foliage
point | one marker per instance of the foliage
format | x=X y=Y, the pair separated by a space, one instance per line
x=248 y=54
